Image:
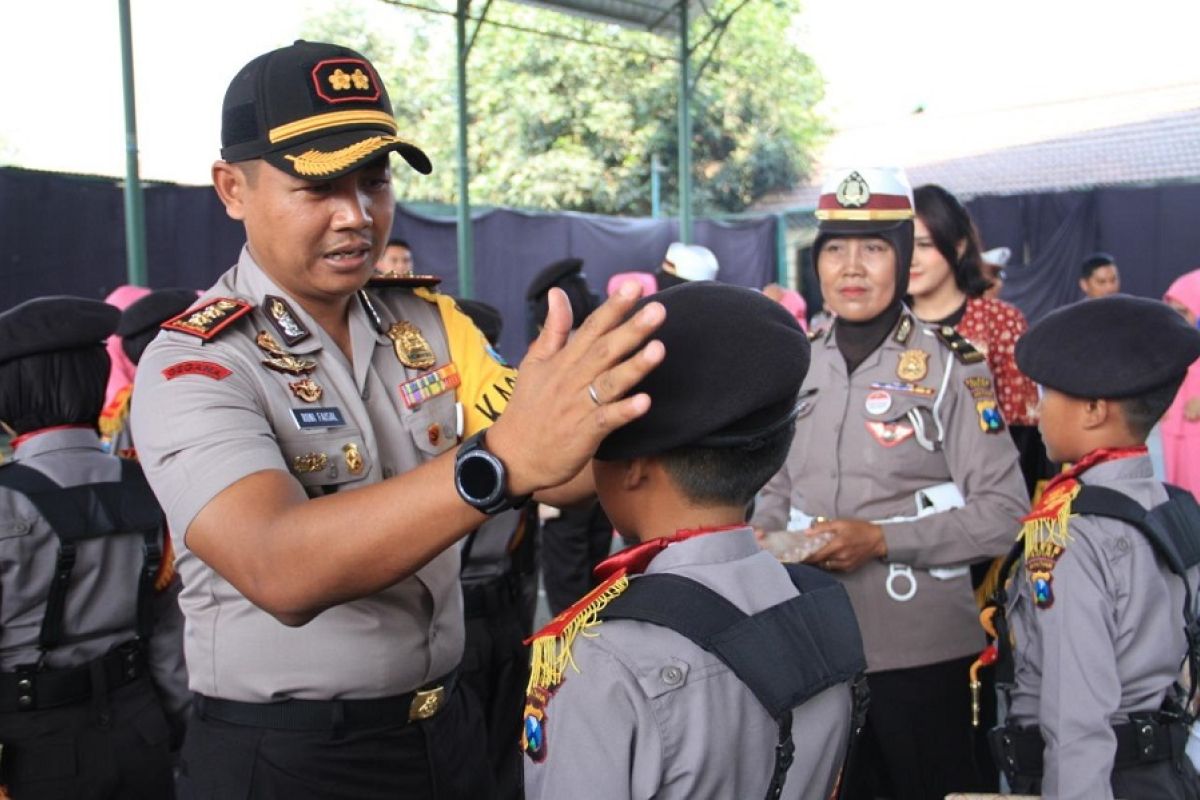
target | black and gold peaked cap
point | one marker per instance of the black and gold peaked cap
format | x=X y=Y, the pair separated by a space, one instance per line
x=314 y=110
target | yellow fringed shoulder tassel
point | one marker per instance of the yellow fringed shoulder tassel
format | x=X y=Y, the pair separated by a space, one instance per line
x=551 y=654
x=1046 y=532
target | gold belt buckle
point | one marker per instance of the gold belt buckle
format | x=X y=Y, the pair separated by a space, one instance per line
x=426 y=703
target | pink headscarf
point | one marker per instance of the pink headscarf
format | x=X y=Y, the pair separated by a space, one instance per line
x=1181 y=439
x=123 y=369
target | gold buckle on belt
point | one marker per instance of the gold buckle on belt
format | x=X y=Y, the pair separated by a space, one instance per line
x=426 y=703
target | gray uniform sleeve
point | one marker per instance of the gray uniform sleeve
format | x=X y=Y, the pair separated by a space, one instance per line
x=226 y=436
x=167 y=668
x=1071 y=639
x=984 y=466
x=601 y=737
x=773 y=504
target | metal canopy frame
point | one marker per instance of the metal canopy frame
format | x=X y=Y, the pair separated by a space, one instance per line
x=665 y=18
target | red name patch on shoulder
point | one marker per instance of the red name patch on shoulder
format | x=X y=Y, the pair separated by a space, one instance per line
x=209 y=369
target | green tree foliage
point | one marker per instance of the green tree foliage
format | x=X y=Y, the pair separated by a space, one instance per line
x=556 y=124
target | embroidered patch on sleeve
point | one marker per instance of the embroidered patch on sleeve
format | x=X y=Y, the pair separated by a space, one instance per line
x=206 y=369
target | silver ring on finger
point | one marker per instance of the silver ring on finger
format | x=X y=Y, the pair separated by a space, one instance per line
x=592 y=394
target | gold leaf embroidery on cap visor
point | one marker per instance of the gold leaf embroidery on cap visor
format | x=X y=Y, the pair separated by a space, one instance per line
x=333 y=119
x=314 y=162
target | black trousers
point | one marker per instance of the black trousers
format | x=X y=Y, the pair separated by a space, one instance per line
x=918 y=743
x=442 y=758
x=113 y=747
x=572 y=545
x=495 y=667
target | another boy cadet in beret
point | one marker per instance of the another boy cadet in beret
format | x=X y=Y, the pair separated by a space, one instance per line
x=93 y=692
x=1095 y=608
x=139 y=325
x=658 y=683
x=316 y=435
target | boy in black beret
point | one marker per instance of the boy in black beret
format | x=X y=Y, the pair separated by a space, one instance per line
x=1090 y=631
x=93 y=690
x=671 y=697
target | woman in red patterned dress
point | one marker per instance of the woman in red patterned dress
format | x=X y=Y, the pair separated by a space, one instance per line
x=946 y=286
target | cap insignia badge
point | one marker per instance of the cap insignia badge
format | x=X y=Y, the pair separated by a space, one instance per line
x=913 y=366
x=354 y=459
x=411 y=347
x=853 y=192
x=307 y=390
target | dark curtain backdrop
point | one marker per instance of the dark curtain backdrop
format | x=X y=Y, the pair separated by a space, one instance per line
x=63 y=234
x=1152 y=233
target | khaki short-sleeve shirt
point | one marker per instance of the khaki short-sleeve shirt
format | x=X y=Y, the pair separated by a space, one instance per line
x=207 y=413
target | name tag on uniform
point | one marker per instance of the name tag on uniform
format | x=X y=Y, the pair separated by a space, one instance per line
x=330 y=417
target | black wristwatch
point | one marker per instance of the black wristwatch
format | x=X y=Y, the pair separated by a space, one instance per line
x=481 y=478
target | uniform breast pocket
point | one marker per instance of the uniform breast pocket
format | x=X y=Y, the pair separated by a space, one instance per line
x=327 y=458
x=434 y=426
x=16 y=527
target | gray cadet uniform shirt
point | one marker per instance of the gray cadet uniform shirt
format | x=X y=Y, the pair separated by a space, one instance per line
x=858 y=453
x=101 y=608
x=1110 y=644
x=200 y=431
x=648 y=713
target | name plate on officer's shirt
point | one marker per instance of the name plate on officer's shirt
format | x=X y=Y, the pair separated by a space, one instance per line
x=329 y=417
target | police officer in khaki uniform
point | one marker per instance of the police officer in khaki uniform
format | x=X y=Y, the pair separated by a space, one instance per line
x=93 y=691
x=301 y=431
x=1096 y=606
x=901 y=459
x=713 y=671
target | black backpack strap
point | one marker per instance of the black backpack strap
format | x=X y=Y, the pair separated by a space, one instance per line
x=1173 y=530
x=813 y=638
x=92 y=511
x=1005 y=666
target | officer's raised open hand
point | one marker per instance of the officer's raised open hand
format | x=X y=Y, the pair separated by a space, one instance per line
x=571 y=394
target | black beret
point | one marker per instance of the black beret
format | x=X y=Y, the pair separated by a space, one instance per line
x=1113 y=347
x=486 y=317
x=734 y=363
x=47 y=324
x=154 y=309
x=552 y=276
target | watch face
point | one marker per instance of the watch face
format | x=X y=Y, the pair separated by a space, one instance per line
x=480 y=478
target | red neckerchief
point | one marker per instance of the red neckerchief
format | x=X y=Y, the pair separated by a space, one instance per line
x=1060 y=486
x=17 y=441
x=634 y=560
